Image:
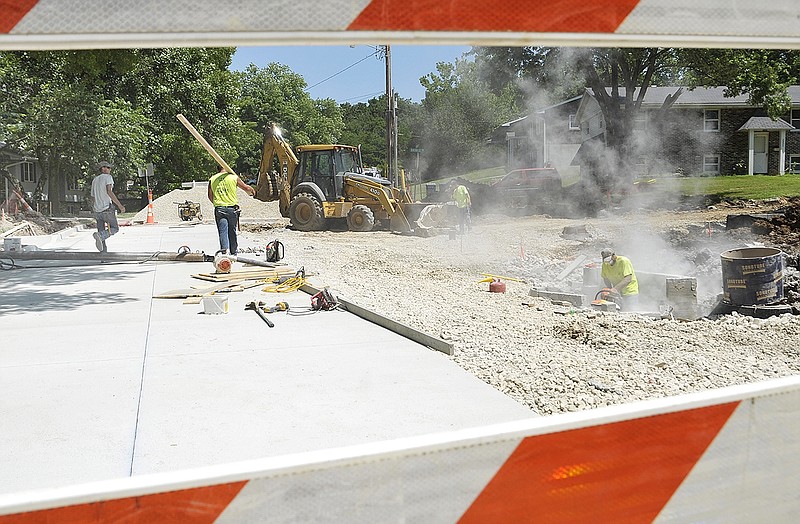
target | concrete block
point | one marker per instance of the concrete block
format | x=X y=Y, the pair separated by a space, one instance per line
x=681 y=290
x=573 y=298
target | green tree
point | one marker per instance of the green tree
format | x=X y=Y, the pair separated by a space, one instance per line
x=58 y=112
x=195 y=82
x=275 y=94
x=365 y=126
x=73 y=108
x=763 y=74
x=460 y=114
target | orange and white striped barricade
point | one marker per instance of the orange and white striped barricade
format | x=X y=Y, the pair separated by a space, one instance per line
x=71 y=24
x=728 y=455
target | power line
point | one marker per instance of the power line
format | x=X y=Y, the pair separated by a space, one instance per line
x=343 y=70
x=363 y=97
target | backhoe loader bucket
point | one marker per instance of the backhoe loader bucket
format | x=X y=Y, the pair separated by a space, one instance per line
x=398 y=222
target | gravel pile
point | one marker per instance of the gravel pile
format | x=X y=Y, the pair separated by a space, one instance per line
x=547 y=358
x=165 y=208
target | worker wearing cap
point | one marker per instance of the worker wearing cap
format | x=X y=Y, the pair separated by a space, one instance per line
x=618 y=275
x=103 y=201
x=222 y=193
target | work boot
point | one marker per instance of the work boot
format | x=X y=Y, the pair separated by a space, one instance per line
x=99 y=242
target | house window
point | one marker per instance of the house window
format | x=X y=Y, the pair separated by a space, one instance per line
x=573 y=124
x=711 y=164
x=795 y=116
x=28 y=172
x=72 y=183
x=640 y=122
x=794 y=163
x=711 y=120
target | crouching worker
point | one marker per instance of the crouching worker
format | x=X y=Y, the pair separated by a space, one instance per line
x=222 y=193
x=618 y=275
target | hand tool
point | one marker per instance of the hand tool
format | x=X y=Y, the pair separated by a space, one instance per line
x=257 y=308
x=280 y=306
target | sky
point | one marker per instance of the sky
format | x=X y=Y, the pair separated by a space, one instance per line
x=350 y=74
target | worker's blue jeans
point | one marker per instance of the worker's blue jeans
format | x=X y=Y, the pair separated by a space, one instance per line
x=227 y=219
x=108 y=216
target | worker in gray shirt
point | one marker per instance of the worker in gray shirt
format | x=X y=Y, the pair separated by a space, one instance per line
x=103 y=201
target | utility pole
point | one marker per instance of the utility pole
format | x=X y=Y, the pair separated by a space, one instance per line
x=390 y=118
x=395 y=163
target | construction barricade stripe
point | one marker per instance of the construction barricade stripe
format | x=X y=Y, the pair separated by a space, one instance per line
x=730 y=455
x=622 y=472
x=599 y=16
x=71 y=24
x=12 y=11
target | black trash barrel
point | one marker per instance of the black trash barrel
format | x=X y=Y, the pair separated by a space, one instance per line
x=752 y=276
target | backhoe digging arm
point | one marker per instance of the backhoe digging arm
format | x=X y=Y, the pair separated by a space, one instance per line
x=275 y=184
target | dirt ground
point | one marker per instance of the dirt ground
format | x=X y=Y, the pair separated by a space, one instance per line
x=527 y=347
x=548 y=357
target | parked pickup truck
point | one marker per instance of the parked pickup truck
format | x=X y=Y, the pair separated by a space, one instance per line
x=528 y=189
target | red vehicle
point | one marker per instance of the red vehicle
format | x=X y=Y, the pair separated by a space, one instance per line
x=530 y=188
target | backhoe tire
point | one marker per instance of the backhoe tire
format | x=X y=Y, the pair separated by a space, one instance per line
x=306 y=213
x=360 y=218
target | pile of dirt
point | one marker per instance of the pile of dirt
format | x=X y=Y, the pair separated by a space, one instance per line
x=165 y=207
x=784 y=229
x=33 y=224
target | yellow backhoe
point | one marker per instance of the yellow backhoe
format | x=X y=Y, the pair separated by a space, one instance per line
x=317 y=183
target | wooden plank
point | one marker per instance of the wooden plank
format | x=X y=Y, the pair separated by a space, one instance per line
x=245 y=275
x=192 y=292
x=580 y=259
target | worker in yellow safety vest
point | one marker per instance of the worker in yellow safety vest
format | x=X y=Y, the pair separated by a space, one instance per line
x=463 y=203
x=618 y=274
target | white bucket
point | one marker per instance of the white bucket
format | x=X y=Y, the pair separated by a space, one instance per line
x=214 y=305
x=12 y=244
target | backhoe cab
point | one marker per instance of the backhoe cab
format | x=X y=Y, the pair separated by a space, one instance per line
x=316 y=183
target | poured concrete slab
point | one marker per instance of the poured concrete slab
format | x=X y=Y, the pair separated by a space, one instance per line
x=100 y=381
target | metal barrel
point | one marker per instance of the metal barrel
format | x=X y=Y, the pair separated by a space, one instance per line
x=752 y=276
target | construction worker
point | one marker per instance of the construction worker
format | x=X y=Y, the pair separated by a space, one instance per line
x=222 y=193
x=619 y=277
x=463 y=203
x=103 y=201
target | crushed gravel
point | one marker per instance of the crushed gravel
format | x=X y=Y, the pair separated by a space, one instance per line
x=527 y=347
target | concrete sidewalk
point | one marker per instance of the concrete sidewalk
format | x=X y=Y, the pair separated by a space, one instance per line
x=99 y=380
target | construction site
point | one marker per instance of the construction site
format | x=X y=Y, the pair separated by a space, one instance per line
x=542 y=341
x=537 y=345
x=318 y=344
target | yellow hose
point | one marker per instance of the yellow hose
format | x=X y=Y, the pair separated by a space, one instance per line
x=290 y=284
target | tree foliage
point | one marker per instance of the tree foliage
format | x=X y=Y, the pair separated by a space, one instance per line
x=73 y=108
x=763 y=74
x=275 y=94
x=460 y=113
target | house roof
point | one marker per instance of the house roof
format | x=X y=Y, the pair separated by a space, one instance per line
x=540 y=111
x=765 y=123
x=699 y=96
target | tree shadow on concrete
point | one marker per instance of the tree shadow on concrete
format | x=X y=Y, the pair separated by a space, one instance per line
x=35 y=287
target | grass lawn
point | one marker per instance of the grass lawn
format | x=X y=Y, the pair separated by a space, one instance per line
x=756 y=187
x=709 y=189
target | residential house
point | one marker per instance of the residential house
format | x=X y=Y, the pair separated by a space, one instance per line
x=24 y=169
x=27 y=170
x=703 y=132
x=547 y=137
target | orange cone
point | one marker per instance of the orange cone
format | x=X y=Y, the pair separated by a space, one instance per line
x=150 y=217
